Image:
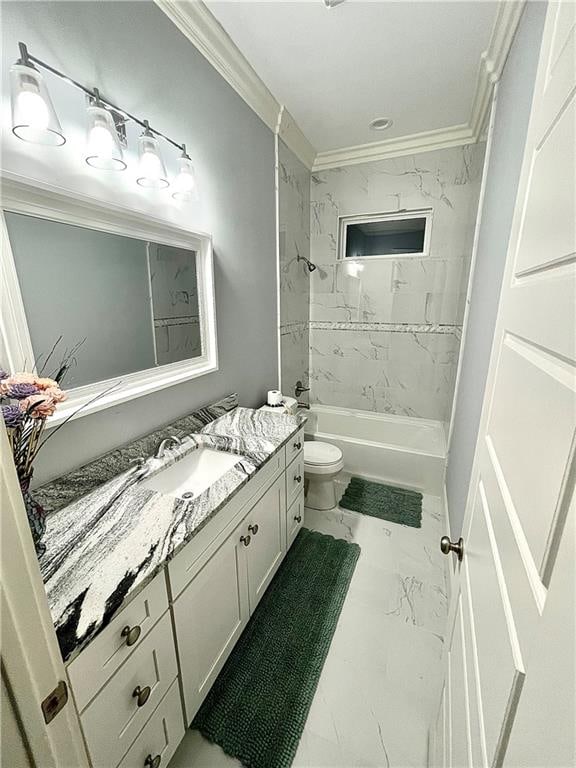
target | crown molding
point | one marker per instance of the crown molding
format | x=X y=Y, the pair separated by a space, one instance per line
x=198 y=24
x=291 y=134
x=493 y=60
x=440 y=138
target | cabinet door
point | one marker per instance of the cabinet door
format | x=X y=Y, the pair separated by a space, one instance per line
x=209 y=616
x=266 y=527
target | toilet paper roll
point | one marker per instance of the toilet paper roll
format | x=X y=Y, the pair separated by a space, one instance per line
x=274 y=397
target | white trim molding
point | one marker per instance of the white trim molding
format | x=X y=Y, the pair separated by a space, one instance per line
x=290 y=133
x=198 y=24
x=44 y=201
x=442 y=138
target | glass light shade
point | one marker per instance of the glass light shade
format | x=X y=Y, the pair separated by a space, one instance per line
x=151 y=169
x=33 y=116
x=184 y=185
x=104 y=148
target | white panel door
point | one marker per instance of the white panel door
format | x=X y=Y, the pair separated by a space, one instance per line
x=519 y=504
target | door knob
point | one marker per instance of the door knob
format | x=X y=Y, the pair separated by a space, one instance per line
x=153 y=762
x=253 y=529
x=448 y=546
x=298 y=478
x=298 y=518
x=245 y=540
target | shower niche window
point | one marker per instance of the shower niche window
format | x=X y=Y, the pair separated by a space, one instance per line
x=386 y=235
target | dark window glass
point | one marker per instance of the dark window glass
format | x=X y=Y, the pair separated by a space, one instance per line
x=385 y=238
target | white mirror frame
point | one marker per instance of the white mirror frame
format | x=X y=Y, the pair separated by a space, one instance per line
x=46 y=202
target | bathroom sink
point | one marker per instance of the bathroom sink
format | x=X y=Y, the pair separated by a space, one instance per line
x=193 y=473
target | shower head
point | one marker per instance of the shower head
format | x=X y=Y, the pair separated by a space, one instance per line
x=311 y=267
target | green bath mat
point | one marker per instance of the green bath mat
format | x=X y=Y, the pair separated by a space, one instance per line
x=258 y=705
x=397 y=505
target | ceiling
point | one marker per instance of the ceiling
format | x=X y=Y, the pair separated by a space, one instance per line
x=336 y=69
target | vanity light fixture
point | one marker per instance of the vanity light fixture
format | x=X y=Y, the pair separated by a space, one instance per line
x=104 y=148
x=380 y=124
x=151 y=169
x=185 y=183
x=34 y=118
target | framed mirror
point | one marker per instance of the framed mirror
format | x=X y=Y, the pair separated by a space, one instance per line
x=128 y=298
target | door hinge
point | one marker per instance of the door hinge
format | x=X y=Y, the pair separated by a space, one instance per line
x=55 y=701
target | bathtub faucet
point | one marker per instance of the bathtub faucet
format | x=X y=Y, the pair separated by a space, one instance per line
x=299 y=389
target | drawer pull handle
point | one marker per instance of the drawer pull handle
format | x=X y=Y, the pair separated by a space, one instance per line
x=131 y=634
x=298 y=478
x=153 y=762
x=298 y=445
x=246 y=540
x=298 y=518
x=141 y=695
x=253 y=529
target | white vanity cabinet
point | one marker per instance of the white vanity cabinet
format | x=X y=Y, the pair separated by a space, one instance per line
x=209 y=616
x=175 y=636
x=264 y=540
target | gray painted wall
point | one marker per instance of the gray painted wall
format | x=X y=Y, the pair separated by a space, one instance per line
x=511 y=123
x=141 y=61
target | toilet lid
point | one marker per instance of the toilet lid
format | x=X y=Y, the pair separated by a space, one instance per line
x=316 y=452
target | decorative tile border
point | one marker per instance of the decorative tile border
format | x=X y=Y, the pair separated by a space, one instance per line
x=327 y=325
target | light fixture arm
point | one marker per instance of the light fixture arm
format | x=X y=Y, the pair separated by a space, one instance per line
x=29 y=60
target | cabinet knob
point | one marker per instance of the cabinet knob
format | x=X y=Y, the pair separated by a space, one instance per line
x=298 y=445
x=253 y=529
x=141 y=695
x=298 y=478
x=131 y=634
x=298 y=518
x=246 y=540
x=152 y=762
x=448 y=546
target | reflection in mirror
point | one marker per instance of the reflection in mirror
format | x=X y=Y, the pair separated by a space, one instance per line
x=134 y=304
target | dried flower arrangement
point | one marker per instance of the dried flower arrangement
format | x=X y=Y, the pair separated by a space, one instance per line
x=27 y=400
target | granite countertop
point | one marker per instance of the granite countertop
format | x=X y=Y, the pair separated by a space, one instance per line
x=104 y=547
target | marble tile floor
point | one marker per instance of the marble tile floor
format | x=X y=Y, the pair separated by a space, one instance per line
x=379 y=687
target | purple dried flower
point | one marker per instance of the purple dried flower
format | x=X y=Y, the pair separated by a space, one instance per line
x=12 y=416
x=20 y=391
x=3 y=374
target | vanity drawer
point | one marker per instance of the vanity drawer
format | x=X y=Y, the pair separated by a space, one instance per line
x=161 y=734
x=294 y=445
x=110 y=649
x=294 y=518
x=294 y=478
x=115 y=717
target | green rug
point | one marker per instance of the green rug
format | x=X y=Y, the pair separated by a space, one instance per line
x=397 y=505
x=258 y=705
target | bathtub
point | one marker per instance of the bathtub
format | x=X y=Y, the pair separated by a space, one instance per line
x=399 y=450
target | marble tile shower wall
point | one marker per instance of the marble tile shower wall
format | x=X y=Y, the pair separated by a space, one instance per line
x=387 y=338
x=294 y=228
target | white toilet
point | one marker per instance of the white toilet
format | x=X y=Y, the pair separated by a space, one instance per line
x=322 y=462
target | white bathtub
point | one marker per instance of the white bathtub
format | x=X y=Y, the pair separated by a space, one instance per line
x=399 y=450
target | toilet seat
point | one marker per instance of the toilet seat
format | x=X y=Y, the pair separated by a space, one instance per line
x=322 y=458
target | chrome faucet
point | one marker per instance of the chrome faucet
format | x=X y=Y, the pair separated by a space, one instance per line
x=168 y=442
